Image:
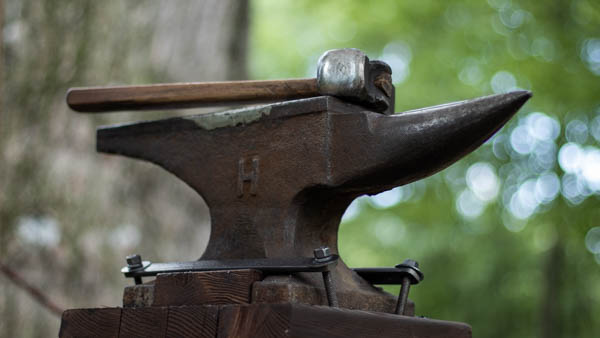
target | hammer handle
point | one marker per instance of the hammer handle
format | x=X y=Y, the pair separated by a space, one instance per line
x=188 y=95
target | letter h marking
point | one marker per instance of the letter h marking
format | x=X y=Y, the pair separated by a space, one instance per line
x=251 y=176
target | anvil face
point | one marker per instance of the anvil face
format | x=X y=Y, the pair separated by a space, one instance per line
x=278 y=178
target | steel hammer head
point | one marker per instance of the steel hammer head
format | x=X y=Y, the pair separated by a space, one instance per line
x=348 y=73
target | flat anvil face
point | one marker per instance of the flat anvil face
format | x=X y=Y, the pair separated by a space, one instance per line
x=278 y=178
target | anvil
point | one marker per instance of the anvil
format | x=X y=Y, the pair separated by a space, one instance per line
x=277 y=178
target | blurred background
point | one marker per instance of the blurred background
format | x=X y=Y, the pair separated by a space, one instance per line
x=508 y=237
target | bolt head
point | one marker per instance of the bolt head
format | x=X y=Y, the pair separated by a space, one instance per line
x=134 y=261
x=411 y=262
x=322 y=252
x=411 y=268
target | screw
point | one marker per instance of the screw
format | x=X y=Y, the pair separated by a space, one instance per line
x=321 y=254
x=412 y=275
x=134 y=262
x=403 y=297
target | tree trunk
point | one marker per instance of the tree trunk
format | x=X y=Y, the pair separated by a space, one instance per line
x=551 y=321
x=68 y=216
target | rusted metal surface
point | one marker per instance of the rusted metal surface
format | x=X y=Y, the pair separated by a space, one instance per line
x=278 y=178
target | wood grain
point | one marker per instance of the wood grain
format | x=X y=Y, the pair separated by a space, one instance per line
x=192 y=321
x=188 y=95
x=90 y=323
x=254 y=321
x=295 y=320
x=200 y=288
x=144 y=322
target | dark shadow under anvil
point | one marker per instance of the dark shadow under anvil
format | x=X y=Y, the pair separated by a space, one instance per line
x=277 y=178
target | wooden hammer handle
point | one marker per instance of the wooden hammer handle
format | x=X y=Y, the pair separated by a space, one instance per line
x=188 y=95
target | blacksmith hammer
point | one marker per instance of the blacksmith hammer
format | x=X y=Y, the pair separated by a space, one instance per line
x=277 y=178
x=346 y=73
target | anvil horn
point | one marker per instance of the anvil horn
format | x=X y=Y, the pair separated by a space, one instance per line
x=402 y=148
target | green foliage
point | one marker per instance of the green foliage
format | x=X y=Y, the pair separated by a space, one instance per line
x=514 y=264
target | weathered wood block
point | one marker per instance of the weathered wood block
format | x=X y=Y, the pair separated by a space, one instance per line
x=90 y=323
x=295 y=320
x=278 y=290
x=144 y=322
x=174 y=321
x=203 y=288
x=138 y=295
x=253 y=320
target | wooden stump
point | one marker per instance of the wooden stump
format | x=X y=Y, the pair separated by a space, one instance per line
x=221 y=304
x=252 y=320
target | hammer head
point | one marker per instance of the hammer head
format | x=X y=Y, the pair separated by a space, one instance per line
x=348 y=73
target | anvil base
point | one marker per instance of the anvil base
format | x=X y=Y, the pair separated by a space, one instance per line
x=241 y=303
x=254 y=320
x=250 y=287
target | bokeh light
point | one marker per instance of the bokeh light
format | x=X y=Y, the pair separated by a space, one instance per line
x=398 y=55
x=590 y=54
x=42 y=231
x=503 y=82
x=482 y=180
x=592 y=240
x=469 y=205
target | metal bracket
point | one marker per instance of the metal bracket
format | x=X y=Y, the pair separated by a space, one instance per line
x=405 y=274
x=266 y=265
x=382 y=276
x=321 y=264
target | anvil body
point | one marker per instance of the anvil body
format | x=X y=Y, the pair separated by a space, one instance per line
x=277 y=178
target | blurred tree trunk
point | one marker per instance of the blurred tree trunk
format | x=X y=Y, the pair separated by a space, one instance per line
x=550 y=306
x=1 y=55
x=68 y=216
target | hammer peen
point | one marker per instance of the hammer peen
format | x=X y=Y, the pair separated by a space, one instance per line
x=345 y=73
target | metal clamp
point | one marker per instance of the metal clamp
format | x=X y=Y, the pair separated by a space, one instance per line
x=404 y=274
x=322 y=262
